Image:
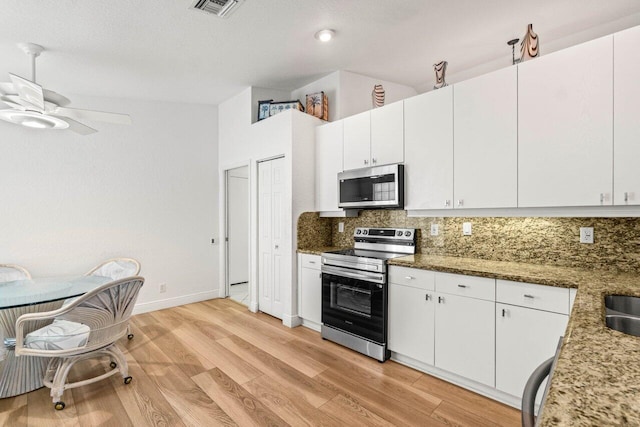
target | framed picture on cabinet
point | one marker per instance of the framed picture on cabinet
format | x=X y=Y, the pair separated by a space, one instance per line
x=264 y=109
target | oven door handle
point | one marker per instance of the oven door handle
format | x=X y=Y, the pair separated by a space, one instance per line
x=354 y=274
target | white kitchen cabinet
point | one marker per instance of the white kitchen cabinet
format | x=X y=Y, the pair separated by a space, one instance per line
x=565 y=127
x=387 y=134
x=411 y=313
x=310 y=290
x=465 y=326
x=486 y=141
x=357 y=141
x=375 y=137
x=428 y=150
x=465 y=337
x=626 y=69
x=329 y=154
x=530 y=319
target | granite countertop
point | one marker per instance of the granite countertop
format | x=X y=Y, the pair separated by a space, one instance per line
x=320 y=249
x=597 y=376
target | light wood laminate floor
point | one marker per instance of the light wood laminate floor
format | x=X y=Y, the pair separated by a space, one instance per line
x=215 y=363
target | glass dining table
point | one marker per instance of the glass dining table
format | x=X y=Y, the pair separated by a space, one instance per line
x=20 y=375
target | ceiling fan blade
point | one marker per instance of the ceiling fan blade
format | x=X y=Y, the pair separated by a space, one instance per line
x=11 y=102
x=91 y=115
x=76 y=127
x=6 y=88
x=55 y=97
x=28 y=90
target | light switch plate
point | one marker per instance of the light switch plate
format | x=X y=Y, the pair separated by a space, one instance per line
x=466 y=229
x=586 y=234
x=435 y=228
x=341 y=227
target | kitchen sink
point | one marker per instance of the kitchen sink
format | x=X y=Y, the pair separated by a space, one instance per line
x=626 y=324
x=623 y=314
x=622 y=304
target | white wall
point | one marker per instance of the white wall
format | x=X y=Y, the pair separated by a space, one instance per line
x=147 y=191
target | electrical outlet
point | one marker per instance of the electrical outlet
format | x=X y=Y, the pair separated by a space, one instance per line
x=466 y=229
x=435 y=228
x=586 y=234
x=163 y=288
x=341 y=227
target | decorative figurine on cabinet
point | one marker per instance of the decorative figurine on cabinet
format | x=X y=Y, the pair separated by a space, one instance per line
x=529 y=48
x=440 y=68
x=377 y=96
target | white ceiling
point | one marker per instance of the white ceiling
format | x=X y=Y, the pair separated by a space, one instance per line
x=162 y=50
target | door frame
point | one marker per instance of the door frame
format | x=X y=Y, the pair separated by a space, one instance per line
x=224 y=221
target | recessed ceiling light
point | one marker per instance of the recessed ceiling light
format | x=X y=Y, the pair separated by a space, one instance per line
x=325 y=35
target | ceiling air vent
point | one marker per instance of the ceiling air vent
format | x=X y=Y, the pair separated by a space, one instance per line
x=221 y=8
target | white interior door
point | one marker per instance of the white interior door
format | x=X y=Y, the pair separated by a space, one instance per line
x=271 y=187
x=238 y=224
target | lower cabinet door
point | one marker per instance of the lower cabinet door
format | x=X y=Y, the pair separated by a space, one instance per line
x=525 y=338
x=465 y=337
x=311 y=294
x=411 y=322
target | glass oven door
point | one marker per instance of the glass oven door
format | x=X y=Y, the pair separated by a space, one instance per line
x=355 y=304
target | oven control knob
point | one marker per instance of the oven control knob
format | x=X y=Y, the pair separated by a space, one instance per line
x=358 y=231
x=407 y=233
x=399 y=233
x=365 y=231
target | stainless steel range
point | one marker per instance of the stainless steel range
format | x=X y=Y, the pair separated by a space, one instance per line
x=354 y=289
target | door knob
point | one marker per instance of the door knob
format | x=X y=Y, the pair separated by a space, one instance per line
x=276 y=246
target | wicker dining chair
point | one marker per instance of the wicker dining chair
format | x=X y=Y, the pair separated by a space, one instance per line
x=86 y=328
x=11 y=272
x=117 y=268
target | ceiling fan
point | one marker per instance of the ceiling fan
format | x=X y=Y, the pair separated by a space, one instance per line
x=36 y=107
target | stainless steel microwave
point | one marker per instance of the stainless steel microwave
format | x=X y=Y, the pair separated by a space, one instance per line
x=379 y=187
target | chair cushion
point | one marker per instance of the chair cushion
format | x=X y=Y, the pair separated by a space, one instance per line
x=60 y=335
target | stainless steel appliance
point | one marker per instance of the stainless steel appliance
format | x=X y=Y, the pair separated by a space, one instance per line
x=377 y=187
x=354 y=289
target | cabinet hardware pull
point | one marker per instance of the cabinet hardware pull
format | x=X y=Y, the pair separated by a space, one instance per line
x=408 y=277
x=427 y=297
x=626 y=197
x=320 y=275
x=312 y=262
x=528 y=296
x=374 y=161
x=460 y=202
x=366 y=162
x=440 y=300
x=447 y=203
x=276 y=247
x=504 y=312
x=462 y=286
x=601 y=198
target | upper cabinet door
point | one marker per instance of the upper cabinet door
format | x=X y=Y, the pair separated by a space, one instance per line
x=387 y=134
x=428 y=148
x=565 y=127
x=328 y=165
x=626 y=89
x=486 y=140
x=357 y=141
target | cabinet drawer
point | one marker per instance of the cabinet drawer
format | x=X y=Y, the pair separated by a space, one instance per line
x=414 y=277
x=541 y=297
x=468 y=286
x=310 y=261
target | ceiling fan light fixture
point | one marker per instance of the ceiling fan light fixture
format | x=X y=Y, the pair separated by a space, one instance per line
x=32 y=119
x=325 y=35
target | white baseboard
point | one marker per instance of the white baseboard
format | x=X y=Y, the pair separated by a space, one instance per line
x=146 y=307
x=311 y=325
x=291 y=321
x=253 y=306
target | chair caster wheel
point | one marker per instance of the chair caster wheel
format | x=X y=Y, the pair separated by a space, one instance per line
x=113 y=365
x=59 y=406
x=127 y=380
x=130 y=336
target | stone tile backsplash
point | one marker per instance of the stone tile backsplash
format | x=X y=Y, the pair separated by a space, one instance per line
x=552 y=241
